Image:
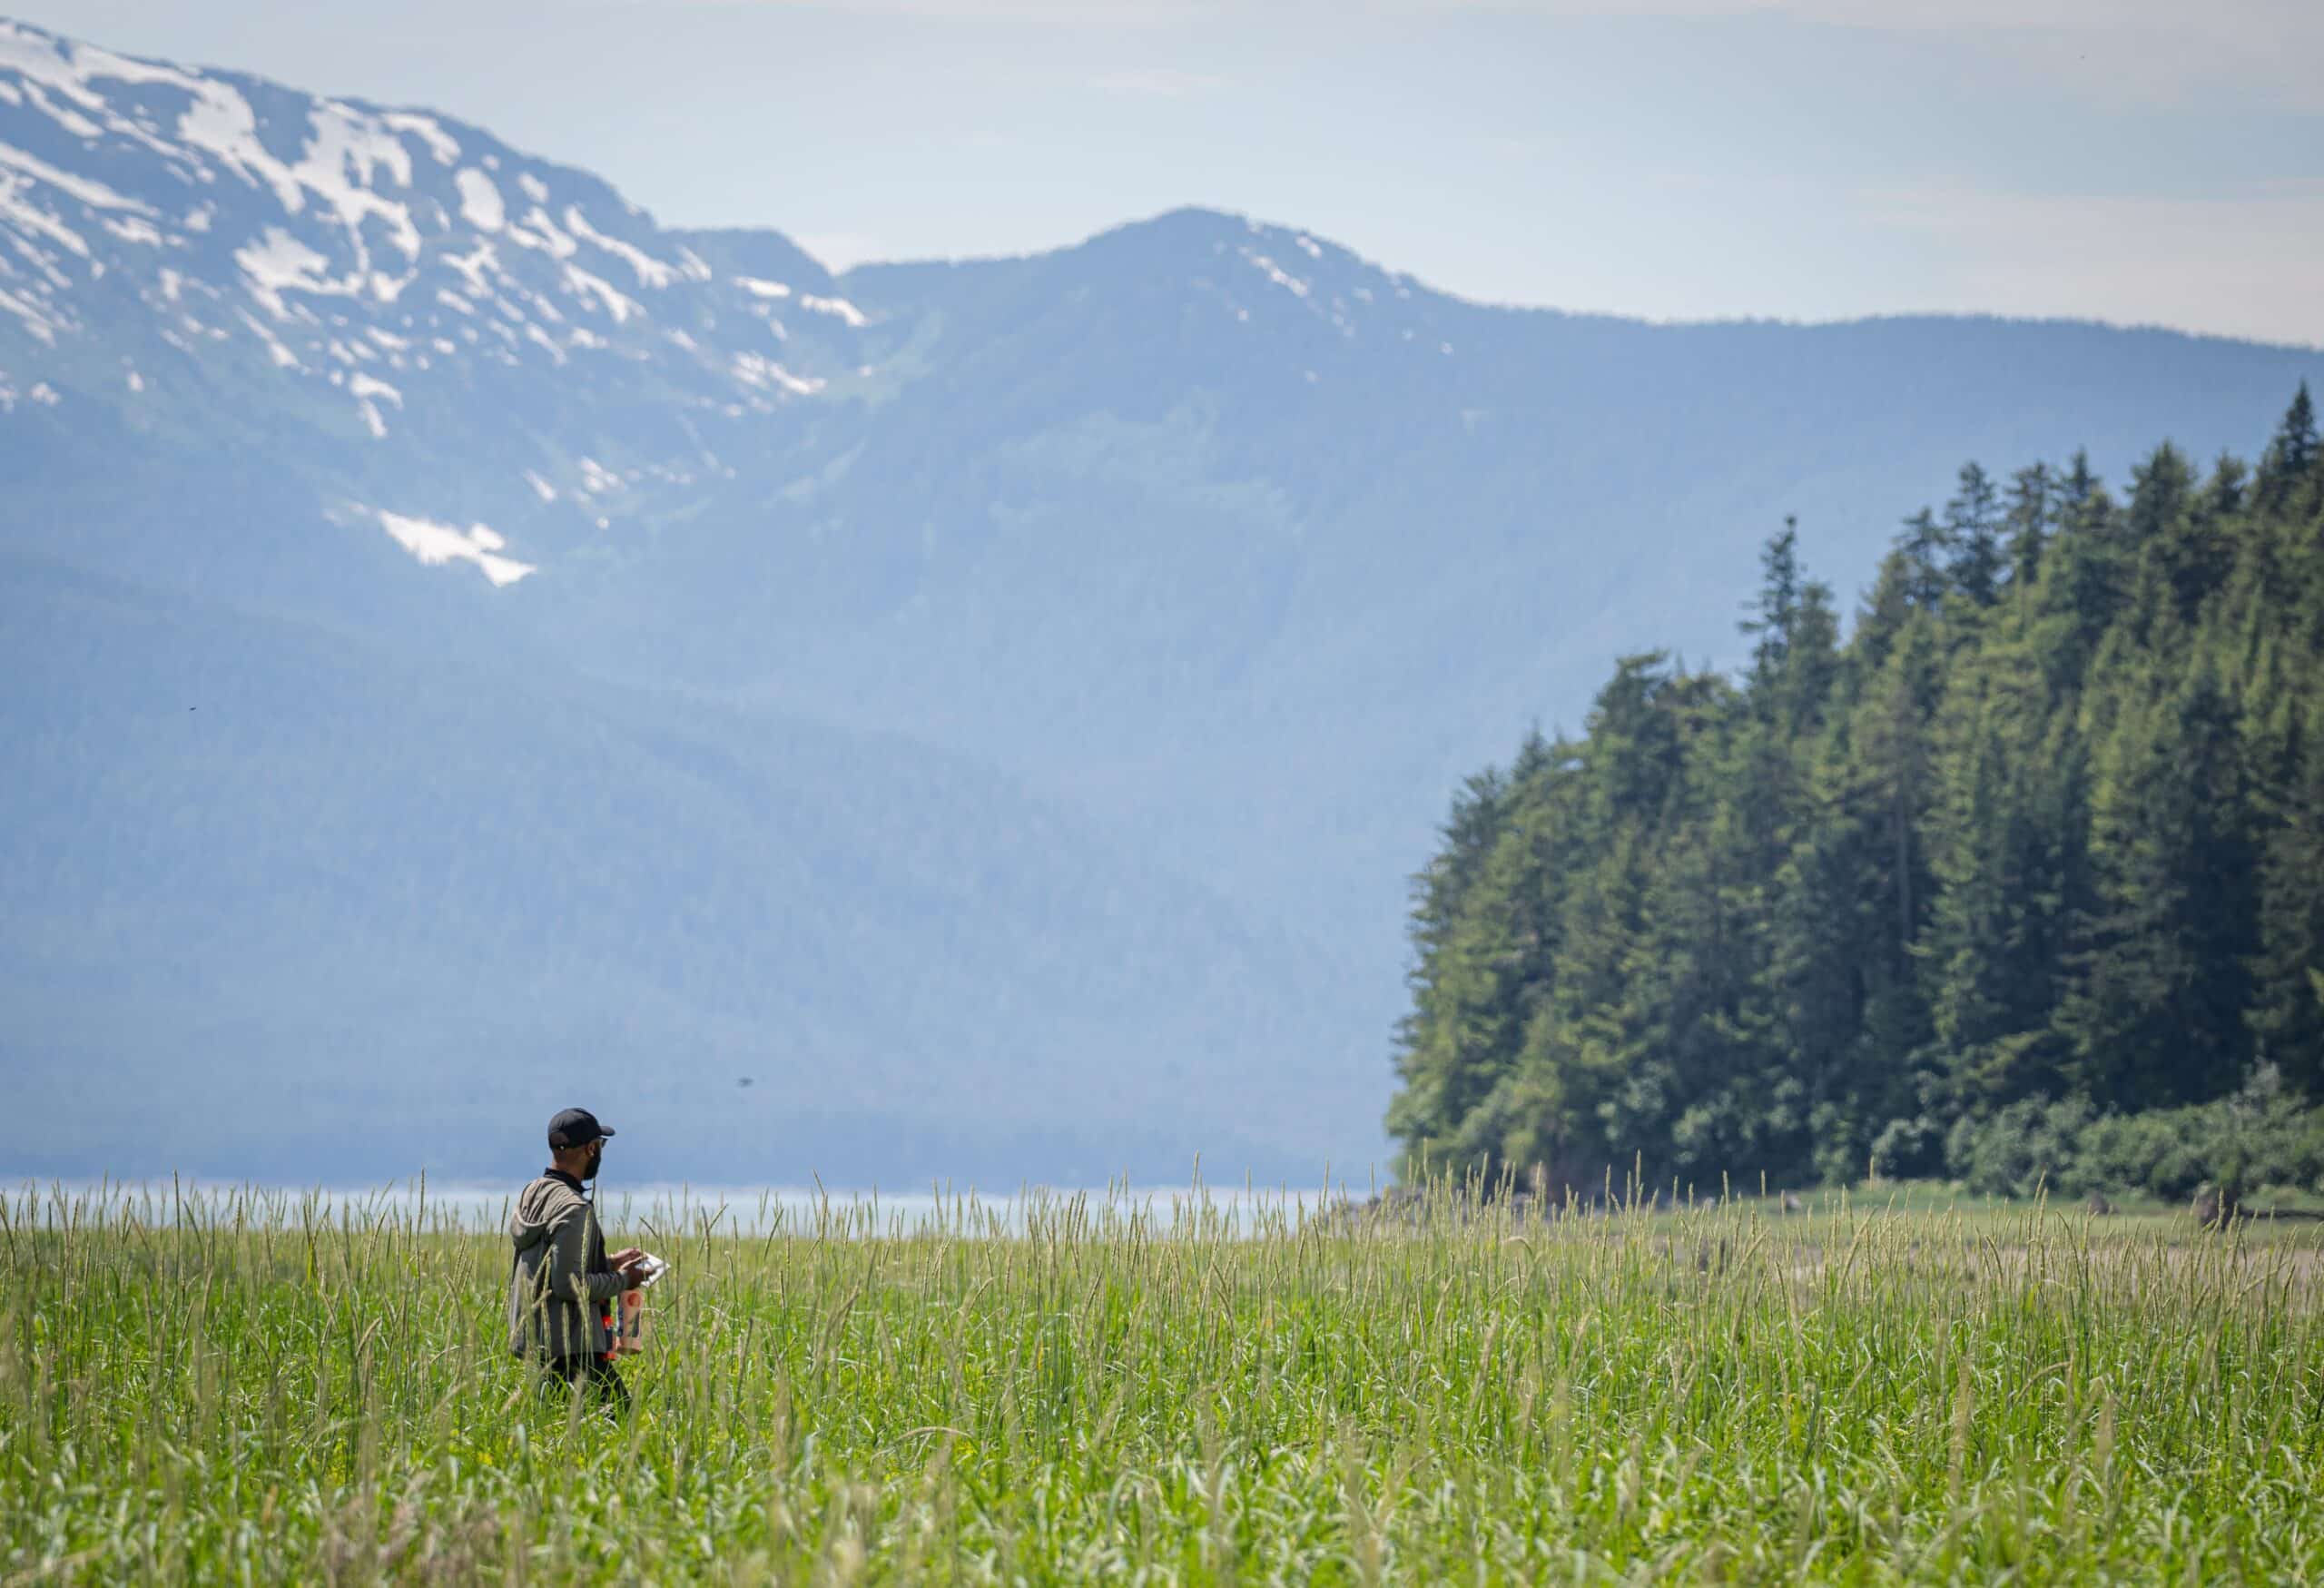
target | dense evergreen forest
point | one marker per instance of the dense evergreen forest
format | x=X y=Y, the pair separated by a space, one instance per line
x=2022 y=880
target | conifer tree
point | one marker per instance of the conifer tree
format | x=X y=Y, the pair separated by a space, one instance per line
x=2156 y=1013
x=1776 y=606
x=2288 y=996
x=1925 y=547
x=2292 y=455
x=2028 y=520
x=1973 y=534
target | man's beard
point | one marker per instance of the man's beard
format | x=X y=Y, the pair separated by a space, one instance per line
x=596 y=1156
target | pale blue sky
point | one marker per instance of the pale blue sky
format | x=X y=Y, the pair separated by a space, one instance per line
x=2138 y=160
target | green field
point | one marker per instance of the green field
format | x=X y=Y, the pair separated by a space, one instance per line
x=246 y=1389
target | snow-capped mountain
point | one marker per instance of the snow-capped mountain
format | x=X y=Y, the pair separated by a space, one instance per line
x=996 y=701
x=386 y=278
x=398 y=278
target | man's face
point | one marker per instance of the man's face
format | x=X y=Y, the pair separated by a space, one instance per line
x=596 y=1156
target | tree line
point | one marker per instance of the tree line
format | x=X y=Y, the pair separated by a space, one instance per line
x=2039 y=837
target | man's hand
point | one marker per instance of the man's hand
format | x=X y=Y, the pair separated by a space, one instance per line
x=626 y=1262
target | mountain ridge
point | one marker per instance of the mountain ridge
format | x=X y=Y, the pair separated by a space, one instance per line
x=1257 y=223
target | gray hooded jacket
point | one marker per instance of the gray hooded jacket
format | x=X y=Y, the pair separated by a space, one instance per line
x=560 y=1281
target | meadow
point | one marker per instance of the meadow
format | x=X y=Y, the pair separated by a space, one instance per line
x=239 y=1387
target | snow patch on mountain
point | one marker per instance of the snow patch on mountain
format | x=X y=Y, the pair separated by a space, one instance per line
x=435 y=545
x=652 y=273
x=481 y=203
x=14 y=206
x=42 y=327
x=135 y=230
x=346 y=149
x=472 y=266
x=1278 y=274
x=280 y=356
x=753 y=370
x=538 y=231
x=72 y=122
x=609 y=297
x=95 y=194
x=279 y=264
x=840 y=308
x=441 y=144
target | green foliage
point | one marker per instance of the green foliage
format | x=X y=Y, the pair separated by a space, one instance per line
x=243 y=1388
x=2033 y=852
x=2264 y=1137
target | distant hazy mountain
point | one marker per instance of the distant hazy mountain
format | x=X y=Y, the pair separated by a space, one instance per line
x=992 y=707
x=283 y=898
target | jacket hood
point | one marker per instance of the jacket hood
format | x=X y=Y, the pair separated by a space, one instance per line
x=538 y=1207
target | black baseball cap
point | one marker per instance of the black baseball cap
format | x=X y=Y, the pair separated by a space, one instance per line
x=575 y=1127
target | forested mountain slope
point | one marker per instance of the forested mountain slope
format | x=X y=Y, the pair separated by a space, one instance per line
x=332 y=910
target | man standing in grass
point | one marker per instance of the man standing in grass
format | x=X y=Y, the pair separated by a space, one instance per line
x=562 y=1287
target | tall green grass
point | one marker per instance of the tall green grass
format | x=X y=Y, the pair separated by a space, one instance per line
x=241 y=1388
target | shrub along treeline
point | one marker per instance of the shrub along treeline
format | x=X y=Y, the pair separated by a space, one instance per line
x=2023 y=877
